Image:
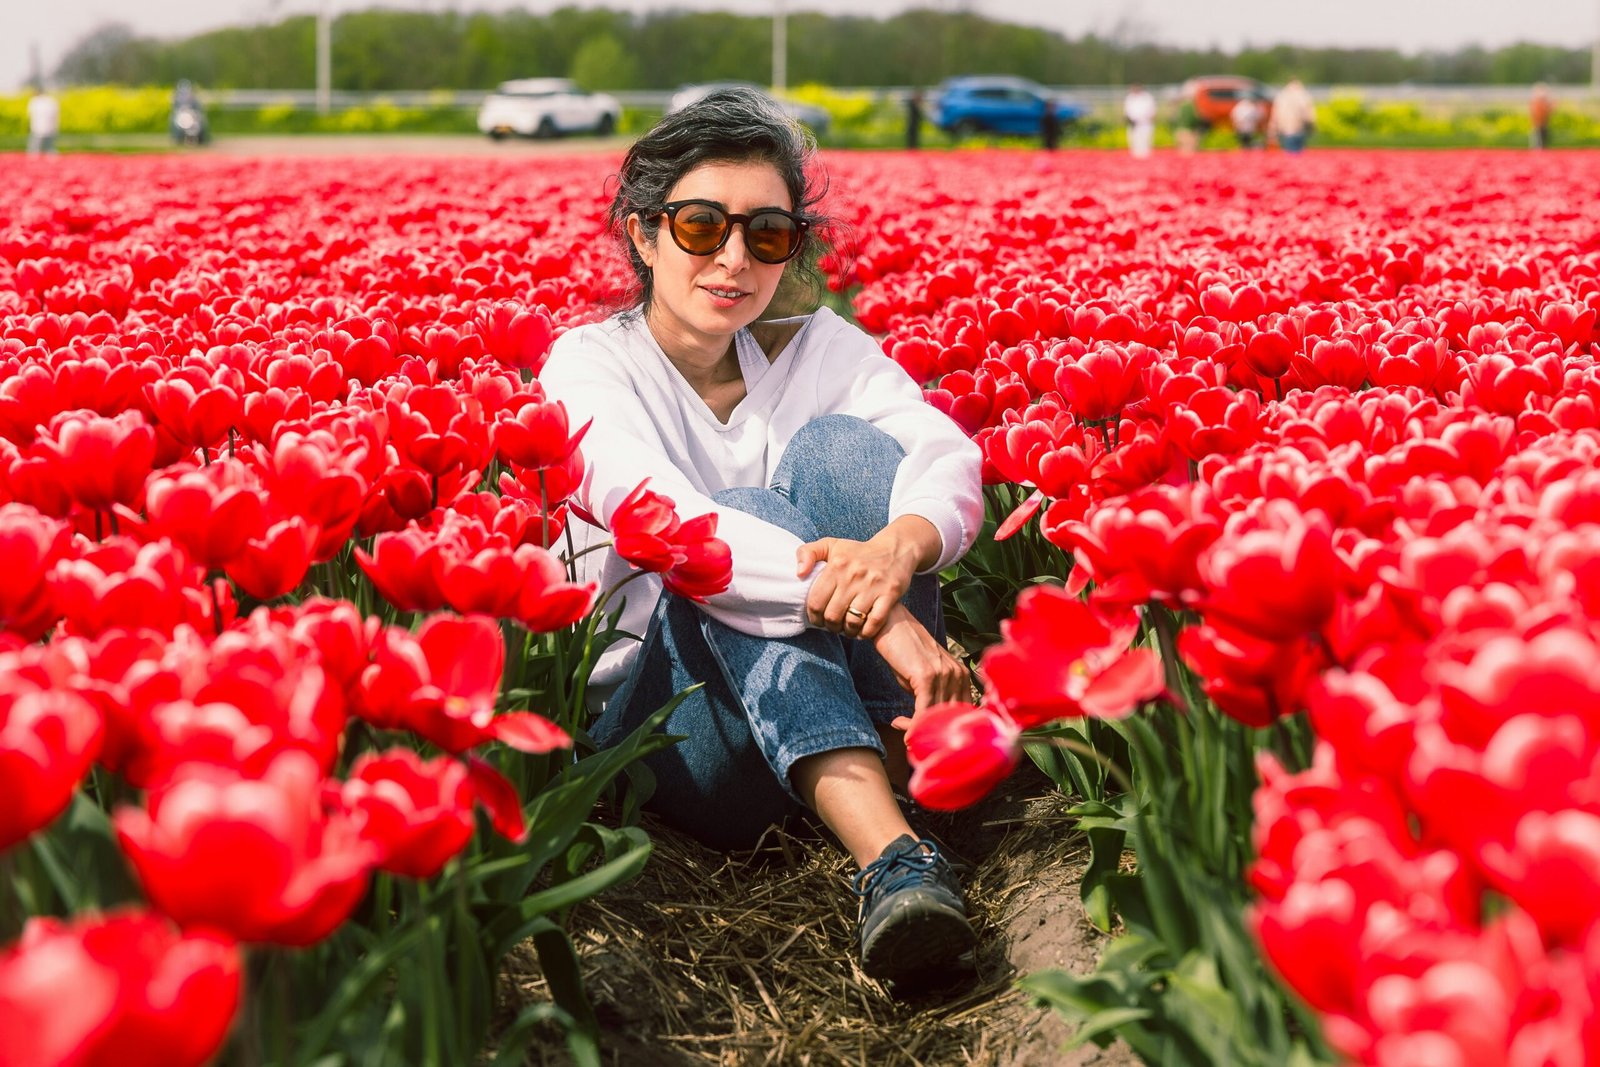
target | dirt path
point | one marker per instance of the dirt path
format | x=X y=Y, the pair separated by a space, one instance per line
x=710 y=960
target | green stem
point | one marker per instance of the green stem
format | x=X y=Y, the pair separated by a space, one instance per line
x=585 y=666
x=12 y=912
x=605 y=598
x=544 y=513
x=1166 y=628
x=575 y=556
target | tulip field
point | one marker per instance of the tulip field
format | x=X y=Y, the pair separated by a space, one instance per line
x=1291 y=582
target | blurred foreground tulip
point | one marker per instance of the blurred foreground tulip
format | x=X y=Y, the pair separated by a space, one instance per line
x=48 y=739
x=120 y=990
x=257 y=859
x=958 y=753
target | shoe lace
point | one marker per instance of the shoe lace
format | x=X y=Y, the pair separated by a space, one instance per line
x=896 y=870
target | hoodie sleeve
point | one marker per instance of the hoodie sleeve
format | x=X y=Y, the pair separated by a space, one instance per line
x=941 y=478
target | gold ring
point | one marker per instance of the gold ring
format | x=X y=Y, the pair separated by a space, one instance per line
x=857 y=614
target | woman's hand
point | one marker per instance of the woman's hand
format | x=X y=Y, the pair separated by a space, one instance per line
x=925 y=668
x=863 y=580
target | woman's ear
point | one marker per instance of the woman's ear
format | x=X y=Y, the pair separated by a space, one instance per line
x=643 y=245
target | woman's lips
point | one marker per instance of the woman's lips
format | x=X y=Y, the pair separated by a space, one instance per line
x=724 y=298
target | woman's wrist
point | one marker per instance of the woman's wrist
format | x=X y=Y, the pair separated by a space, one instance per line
x=914 y=540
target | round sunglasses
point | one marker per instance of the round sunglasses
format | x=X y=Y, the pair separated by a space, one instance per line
x=701 y=228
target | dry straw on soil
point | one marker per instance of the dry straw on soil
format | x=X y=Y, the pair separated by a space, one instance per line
x=710 y=959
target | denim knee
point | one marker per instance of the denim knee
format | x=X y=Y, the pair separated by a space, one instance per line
x=838 y=450
x=768 y=506
x=839 y=471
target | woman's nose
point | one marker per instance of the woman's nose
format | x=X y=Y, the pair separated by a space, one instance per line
x=734 y=256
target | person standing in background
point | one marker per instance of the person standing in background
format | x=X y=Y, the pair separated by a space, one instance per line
x=44 y=123
x=1050 y=125
x=1294 y=116
x=1540 y=108
x=1246 y=119
x=914 y=119
x=1139 y=113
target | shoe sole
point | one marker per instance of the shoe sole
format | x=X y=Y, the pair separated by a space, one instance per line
x=920 y=941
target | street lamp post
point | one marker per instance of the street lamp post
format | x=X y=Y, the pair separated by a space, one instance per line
x=324 y=59
x=780 y=46
x=1594 y=56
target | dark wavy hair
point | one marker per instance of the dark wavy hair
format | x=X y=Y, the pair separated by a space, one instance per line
x=734 y=125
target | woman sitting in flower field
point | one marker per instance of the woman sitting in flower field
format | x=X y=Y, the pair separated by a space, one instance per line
x=838 y=490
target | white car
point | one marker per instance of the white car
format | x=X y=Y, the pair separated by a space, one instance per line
x=546 y=107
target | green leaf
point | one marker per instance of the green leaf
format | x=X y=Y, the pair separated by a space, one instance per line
x=559 y=962
x=1196 y=1002
x=355 y=988
x=556 y=813
x=515 y=923
x=473 y=975
x=514 y=1039
x=1105 y=858
x=80 y=861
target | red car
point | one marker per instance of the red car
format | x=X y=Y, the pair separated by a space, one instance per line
x=1213 y=97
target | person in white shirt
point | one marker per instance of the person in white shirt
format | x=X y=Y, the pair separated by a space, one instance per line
x=839 y=490
x=44 y=123
x=1294 y=115
x=1246 y=118
x=1139 y=113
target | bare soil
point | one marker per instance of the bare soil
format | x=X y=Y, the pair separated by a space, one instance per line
x=711 y=959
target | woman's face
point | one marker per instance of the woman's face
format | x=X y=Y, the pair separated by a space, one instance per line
x=699 y=302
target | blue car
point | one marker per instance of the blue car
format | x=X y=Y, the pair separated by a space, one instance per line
x=996 y=104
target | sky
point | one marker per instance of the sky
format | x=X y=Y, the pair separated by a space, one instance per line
x=52 y=26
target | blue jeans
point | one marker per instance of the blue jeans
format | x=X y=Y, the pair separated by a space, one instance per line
x=767 y=702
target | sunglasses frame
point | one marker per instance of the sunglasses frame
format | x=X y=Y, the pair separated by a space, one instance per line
x=801 y=225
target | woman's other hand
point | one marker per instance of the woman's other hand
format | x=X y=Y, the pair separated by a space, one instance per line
x=864 y=580
x=923 y=666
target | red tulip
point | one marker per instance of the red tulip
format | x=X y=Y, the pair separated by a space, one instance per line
x=30 y=546
x=124 y=989
x=516 y=335
x=443 y=683
x=255 y=858
x=548 y=601
x=535 y=435
x=706 y=566
x=48 y=739
x=99 y=461
x=418 y=813
x=1272 y=583
x=958 y=753
x=644 y=528
x=273 y=564
x=1104 y=380
x=403 y=569
x=122 y=584
x=1058 y=659
x=1049 y=451
x=194 y=408
x=211 y=511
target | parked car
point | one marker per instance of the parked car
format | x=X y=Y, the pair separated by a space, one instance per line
x=999 y=104
x=546 y=107
x=1213 y=98
x=815 y=117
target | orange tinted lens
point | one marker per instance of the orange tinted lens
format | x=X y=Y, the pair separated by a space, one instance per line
x=699 y=227
x=772 y=237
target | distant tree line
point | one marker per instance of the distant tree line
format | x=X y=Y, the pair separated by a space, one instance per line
x=606 y=49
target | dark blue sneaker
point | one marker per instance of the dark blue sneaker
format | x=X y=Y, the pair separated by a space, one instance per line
x=913 y=924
